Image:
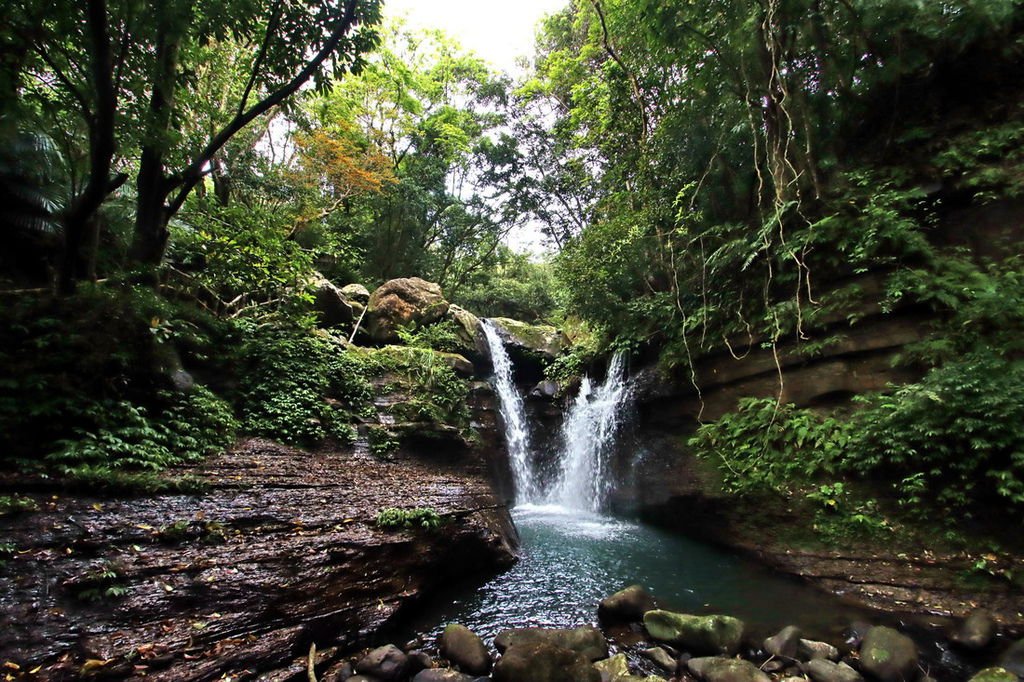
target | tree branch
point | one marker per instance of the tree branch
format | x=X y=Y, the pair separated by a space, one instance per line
x=194 y=172
x=271 y=29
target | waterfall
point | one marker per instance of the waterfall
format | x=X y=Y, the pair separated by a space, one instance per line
x=517 y=433
x=584 y=477
x=588 y=435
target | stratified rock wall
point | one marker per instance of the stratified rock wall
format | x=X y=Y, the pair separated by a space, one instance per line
x=280 y=552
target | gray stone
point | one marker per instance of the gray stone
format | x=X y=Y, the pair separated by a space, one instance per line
x=1013 y=658
x=721 y=669
x=616 y=669
x=387 y=663
x=625 y=606
x=808 y=650
x=357 y=293
x=468 y=331
x=464 y=648
x=784 y=643
x=977 y=631
x=714 y=634
x=823 y=670
x=585 y=640
x=664 y=659
x=538 y=661
x=888 y=655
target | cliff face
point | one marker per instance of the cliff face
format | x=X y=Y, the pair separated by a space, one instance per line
x=281 y=551
x=668 y=485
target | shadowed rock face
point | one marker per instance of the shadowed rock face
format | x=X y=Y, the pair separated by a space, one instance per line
x=280 y=552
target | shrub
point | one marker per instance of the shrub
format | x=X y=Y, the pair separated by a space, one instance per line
x=393 y=518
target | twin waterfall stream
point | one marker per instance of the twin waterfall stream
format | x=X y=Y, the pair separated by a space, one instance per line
x=573 y=552
x=583 y=478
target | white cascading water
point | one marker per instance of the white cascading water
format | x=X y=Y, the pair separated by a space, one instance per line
x=517 y=433
x=584 y=476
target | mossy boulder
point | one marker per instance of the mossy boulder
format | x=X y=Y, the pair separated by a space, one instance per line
x=994 y=675
x=701 y=635
x=464 y=648
x=403 y=302
x=542 y=341
x=888 y=655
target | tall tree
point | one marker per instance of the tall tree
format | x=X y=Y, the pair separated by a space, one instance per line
x=129 y=73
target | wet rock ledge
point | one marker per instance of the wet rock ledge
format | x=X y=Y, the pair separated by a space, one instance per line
x=280 y=552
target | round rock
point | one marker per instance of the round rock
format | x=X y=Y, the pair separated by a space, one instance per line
x=625 y=606
x=888 y=655
x=464 y=648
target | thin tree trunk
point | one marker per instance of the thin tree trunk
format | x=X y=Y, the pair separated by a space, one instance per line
x=102 y=146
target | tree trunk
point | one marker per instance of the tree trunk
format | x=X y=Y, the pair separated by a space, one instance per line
x=152 y=185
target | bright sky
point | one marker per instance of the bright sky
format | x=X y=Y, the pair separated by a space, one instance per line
x=497 y=31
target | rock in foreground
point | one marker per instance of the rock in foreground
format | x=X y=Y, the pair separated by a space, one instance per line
x=700 y=635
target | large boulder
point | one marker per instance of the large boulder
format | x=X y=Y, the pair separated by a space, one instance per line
x=329 y=303
x=616 y=669
x=585 y=640
x=822 y=670
x=384 y=663
x=977 y=631
x=404 y=302
x=888 y=655
x=625 y=606
x=538 y=661
x=464 y=648
x=542 y=342
x=721 y=669
x=696 y=634
x=1013 y=658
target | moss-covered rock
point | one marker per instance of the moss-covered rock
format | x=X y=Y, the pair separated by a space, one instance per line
x=713 y=634
x=994 y=675
x=543 y=341
x=464 y=648
x=888 y=655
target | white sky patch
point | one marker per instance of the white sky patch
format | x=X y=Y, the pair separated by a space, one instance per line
x=498 y=32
